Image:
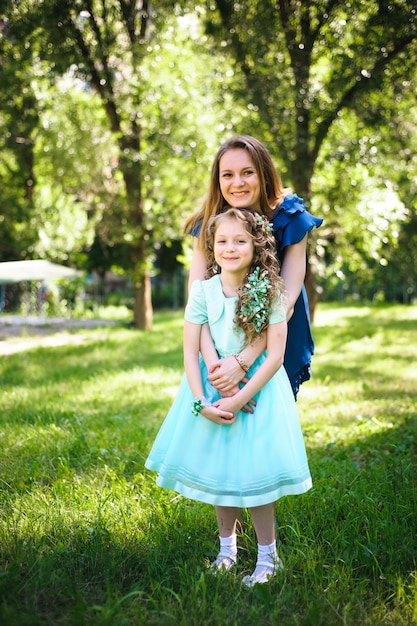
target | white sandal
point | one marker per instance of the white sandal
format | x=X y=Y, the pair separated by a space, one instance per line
x=262 y=573
x=222 y=562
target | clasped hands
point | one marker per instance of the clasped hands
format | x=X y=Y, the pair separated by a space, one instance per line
x=225 y=375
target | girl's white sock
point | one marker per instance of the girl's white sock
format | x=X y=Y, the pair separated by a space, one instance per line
x=228 y=546
x=267 y=555
x=267 y=565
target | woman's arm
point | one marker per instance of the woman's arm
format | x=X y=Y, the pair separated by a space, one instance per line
x=198 y=265
x=225 y=374
x=276 y=335
x=192 y=334
x=293 y=271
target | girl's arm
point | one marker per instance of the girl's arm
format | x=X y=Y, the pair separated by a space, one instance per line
x=276 y=338
x=192 y=334
x=207 y=349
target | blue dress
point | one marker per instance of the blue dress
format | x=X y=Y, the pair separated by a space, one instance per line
x=254 y=461
x=291 y=222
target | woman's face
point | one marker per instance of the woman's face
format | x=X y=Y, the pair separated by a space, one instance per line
x=239 y=180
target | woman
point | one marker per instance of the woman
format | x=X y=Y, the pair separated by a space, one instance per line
x=243 y=176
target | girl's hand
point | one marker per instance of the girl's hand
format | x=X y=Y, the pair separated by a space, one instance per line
x=225 y=375
x=228 y=405
x=249 y=407
x=218 y=415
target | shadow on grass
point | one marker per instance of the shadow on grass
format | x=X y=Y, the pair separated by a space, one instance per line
x=358 y=327
x=92 y=359
x=347 y=543
x=87 y=537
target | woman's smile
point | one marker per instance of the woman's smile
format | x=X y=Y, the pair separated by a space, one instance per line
x=239 y=180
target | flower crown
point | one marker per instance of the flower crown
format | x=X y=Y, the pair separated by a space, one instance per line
x=256 y=308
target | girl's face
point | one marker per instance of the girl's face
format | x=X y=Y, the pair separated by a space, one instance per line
x=239 y=180
x=233 y=247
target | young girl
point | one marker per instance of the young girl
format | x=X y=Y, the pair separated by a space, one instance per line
x=208 y=449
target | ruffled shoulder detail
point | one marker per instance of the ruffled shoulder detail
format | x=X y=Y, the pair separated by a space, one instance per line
x=292 y=204
x=196 y=309
x=205 y=302
x=291 y=221
x=195 y=230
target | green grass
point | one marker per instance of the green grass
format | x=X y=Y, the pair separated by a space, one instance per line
x=86 y=538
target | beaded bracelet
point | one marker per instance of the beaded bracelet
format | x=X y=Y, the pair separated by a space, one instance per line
x=241 y=363
x=197 y=405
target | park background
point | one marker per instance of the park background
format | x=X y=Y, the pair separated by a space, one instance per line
x=110 y=114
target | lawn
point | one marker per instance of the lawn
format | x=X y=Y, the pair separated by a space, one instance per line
x=87 y=538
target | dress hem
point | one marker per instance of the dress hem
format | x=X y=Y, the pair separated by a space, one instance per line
x=243 y=501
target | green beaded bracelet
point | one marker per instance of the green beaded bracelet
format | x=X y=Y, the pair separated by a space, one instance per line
x=198 y=404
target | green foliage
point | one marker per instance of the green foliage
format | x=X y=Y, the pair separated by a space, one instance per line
x=74 y=155
x=333 y=87
x=19 y=123
x=111 y=116
x=319 y=58
x=128 y=101
x=86 y=537
x=368 y=198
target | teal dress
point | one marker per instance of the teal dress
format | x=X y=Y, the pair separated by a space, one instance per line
x=254 y=461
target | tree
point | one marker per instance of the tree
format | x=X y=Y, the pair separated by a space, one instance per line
x=303 y=63
x=365 y=184
x=19 y=123
x=141 y=62
x=73 y=152
x=105 y=43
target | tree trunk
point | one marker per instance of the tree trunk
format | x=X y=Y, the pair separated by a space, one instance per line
x=143 y=313
x=131 y=169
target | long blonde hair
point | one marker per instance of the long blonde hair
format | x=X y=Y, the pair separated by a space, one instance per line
x=264 y=261
x=271 y=190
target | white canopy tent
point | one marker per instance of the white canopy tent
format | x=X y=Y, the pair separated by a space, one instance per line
x=19 y=271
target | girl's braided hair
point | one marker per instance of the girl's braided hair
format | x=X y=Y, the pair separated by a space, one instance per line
x=252 y=309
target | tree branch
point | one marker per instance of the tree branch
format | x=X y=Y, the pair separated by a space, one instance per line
x=359 y=86
x=105 y=93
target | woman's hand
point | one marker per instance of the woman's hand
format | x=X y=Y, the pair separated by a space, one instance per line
x=229 y=388
x=225 y=375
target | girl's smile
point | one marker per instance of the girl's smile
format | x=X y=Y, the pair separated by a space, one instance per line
x=233 y=248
